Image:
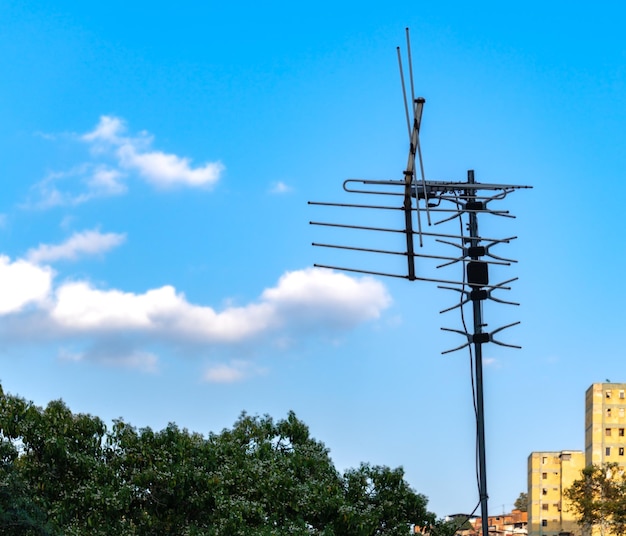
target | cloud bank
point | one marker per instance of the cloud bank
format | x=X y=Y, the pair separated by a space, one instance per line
x=303 y=299
x=118 y=326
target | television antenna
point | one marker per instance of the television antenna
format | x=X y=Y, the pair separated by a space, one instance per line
x=428 y=203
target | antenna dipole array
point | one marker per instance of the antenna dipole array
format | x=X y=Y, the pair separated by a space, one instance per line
x=444 y=204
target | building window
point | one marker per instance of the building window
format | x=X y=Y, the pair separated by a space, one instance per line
x=608 y=412
x=544 y=506
x=621 y=393
x=621 y=412
x=608 y=451
x=566 y=457
x=608 y=393
x=544 y=460
x=607 y=432
x=621 y=451
x=544 y=475
x=621 y=432
x=544 y=522
x=544 y=491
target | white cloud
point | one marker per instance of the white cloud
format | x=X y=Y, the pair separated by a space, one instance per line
x=116 y=157
x=79 y=244
x=325 y=297
x=106 y=182
x=233 y=372
x=223 y=374
x=280 y=188
x=80 y=307
x=107 y=130
x=166 y=170
x=138 y=360
x=143 y=361
x=22 y=283
x=158 y=168
x=96 y=181
x=311 y=299
x=117 y=327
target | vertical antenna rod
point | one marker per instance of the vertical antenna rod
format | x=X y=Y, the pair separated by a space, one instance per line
x=415 y=140
x=408 y=47
x=478 y=338
x=406 y=106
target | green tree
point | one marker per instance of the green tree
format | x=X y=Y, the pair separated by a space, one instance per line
x=598 y=498
x=521 y=503
x=20 y=515
x=378 y=501
x=67 y=474
x=450 y=527
x=272 y=477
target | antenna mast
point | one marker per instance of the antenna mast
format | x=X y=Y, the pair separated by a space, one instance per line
x=446 y=201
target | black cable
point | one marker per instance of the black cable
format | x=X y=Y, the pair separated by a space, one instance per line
x=471 y=355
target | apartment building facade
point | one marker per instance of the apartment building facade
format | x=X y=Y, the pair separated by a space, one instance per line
x=605 y=424
x=549 y=475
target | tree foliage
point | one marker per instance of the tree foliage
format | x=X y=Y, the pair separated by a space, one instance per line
x=521 y=503
x=450 y=527
x=598 y=498
x=68 y=474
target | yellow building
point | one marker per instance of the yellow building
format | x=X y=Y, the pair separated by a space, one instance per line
x=605 y=422
x=549 y=474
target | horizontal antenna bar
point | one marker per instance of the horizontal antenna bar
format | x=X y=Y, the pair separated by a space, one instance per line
x=386 y=207
x=415 y=278
x=444 y=186
x=345 y=226
x=354 y=248
x=404 y=253
x=360 y=271
x=462 y=211
x=325 y=204
x=433 y=186
x=364 y=228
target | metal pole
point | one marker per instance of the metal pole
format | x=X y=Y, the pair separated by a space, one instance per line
x=418 y=107
x=478 y=363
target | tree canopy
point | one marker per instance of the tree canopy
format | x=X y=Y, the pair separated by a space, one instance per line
x=521 y=503
x=69 y=474
x=598 y=498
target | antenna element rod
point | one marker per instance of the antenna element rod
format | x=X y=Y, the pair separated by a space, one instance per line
x=406 y=106
x=408 y=47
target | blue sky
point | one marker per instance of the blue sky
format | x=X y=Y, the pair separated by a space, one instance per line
x=156 y=253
